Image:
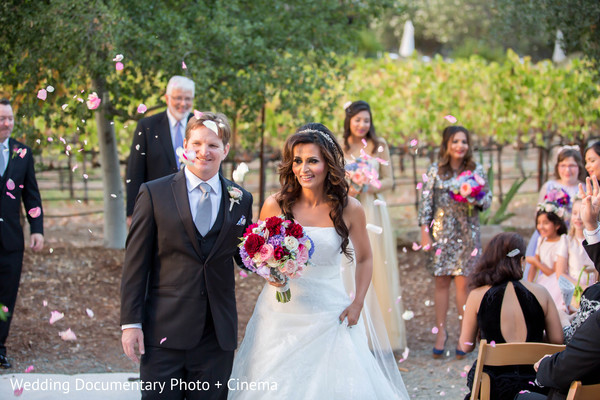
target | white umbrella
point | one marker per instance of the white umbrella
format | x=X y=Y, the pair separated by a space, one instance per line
x=558 y=55
x=407 y=46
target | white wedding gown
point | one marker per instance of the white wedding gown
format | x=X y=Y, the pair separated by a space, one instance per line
x=299 y=350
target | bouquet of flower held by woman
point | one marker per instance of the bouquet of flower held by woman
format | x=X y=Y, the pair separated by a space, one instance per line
x=361 y=175
x=278 y=250
x=467 y=188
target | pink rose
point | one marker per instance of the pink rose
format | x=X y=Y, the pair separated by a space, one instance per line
x=302 y=256
x=290 y=267
x=266 y=252
x=479 y=179
x=465 y=190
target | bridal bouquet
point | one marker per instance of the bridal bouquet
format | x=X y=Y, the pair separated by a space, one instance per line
x=278 y=250
x=361 y=175
x=467 y=188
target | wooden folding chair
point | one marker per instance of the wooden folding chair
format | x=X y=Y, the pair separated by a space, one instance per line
x=506 y=354
x=577 y=391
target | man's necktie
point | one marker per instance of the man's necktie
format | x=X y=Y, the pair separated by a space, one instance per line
x=178 y=140
x=204 y=210
x=2 y=160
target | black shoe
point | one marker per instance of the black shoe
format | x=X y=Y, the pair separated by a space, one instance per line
x=4 y=362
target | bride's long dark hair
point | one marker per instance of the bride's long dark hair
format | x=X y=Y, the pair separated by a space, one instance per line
x=335 y=185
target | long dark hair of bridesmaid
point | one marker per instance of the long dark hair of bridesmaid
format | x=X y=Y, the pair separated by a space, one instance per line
x=468 y=163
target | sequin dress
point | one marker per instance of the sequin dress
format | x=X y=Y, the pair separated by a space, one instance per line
x=455 y=234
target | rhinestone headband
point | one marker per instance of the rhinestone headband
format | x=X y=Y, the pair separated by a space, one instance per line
x=326 y=136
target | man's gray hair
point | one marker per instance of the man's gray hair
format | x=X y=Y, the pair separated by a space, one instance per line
x=180 y=82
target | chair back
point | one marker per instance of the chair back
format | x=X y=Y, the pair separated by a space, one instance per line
x=577 y=391
x=518 y=353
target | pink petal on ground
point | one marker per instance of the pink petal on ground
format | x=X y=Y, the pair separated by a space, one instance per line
x=404 y=355
x=18 y=392
x=67 y=335
x=438 y=252
x=55 y=316
x=435 y=330
x=463 y=374
x=427 y=247
x=450 y=119
x=89 y=312
x=35 y=212
x=415 y=246
x=142 y=108
x=10 y=184
x=119 y=66
x=243 y=274
x=42 y=94
x=183 y=66
x=162 y=340
x=419 y=185
x=474 y=252
x=45 y=303
x=364 y=142
x=29 y=369
x=10 y=195
x=404 y=249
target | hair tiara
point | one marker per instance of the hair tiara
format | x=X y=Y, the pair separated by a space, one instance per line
x=326 y=136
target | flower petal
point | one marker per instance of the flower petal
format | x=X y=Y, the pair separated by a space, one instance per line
x=42 y=94
x=450 y=119
x=142 y=108
x=212 y=126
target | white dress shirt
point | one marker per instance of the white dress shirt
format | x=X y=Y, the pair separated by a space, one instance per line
x=592 y=237
x=172 y=123
x=6 y=154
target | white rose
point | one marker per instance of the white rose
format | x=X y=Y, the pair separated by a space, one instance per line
x=291 y=243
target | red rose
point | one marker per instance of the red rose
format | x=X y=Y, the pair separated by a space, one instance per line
x=279 y=253
x=294 y=230
x=273 y=224
x=253 y=244
x=249 y=229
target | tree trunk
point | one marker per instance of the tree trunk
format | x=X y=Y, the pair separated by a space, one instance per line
x=115 y=229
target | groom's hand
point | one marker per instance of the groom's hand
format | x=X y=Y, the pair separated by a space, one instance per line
x=130 y=337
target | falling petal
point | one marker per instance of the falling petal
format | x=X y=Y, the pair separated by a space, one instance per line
x=474 y=252
x=50 y=89
x=414 y=142
x=85 y=176
x=419 y=185
x=18 y=392
x=45 y=303
x=92 y=102
x=5 y=309
x=212 y=126
x=10 y=184
x=64 y=106
x=493 y=343
x=435 y=330
x=450 y=119
x=416 y=246
x=347 y=104
x=427 y=247
x=240 y=172
x=442 y=393
x=42 y=94
x=67 y=335
x=404 y=355
x=89 y=312
x=380 y=149
x=114 y=196
x=197 y=114
x=375 y=229
x=162 y=340
x=10 y=195
x=142 y=108
x=364 y=142
x=243 y=274
x=118 y=57
x=56 y=316
x=398 y=299
x=469 y=343
x=438 y=252
x=382 y=161
x=425 y=178
x=408 y=315
x=119 y=66
x=378 y=202
x=35 y=212
x=183 y=66
x=29 y=369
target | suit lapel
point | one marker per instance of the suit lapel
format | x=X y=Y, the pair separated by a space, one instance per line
x=182 y=201
x=164 y=135
x=11 y=160
x=227 y=217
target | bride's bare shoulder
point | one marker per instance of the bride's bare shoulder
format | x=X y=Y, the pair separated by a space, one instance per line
x=270 y=207
x=354 y=211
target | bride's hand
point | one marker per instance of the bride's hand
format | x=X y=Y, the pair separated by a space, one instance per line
x=352 y=312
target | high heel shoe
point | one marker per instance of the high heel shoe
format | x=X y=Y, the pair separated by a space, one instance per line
x=437 y=353
x=460 y=354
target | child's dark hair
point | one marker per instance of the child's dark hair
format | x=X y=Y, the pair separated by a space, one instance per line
x=555 y=219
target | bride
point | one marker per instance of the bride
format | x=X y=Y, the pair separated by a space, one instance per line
x=312 y=347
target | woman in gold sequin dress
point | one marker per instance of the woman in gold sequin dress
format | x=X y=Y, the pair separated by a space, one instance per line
x=384 y=298
x=450 y=229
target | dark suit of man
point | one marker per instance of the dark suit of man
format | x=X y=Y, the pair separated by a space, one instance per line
x=151 y=155
x=20 y=170
x=180 y=284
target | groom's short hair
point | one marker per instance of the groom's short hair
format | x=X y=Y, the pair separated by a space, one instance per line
x=219 y=119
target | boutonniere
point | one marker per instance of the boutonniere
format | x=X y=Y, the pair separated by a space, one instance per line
x=235 y=195
x=20 y=151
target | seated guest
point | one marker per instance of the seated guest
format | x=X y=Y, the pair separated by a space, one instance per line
x=580 y=361
x=504 y=308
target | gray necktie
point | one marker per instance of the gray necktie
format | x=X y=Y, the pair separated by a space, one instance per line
x=2 y=160
x=204 y=210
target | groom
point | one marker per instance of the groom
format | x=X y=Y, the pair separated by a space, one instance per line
x=178 y=288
